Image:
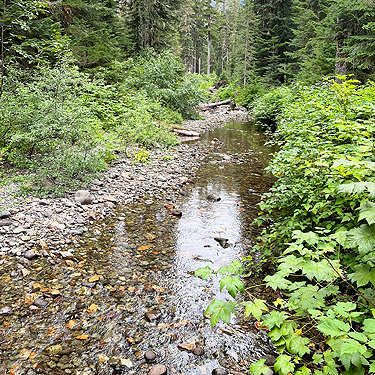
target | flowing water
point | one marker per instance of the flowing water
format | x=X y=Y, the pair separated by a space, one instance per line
x=130 y=286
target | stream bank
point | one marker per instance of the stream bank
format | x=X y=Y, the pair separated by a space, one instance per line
x=33 y=226
x=125 y=288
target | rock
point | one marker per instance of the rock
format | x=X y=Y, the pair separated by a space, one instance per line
x=66 y=254
x=83 y=197
x=5 y=223
x=30 y=254
x=98 y=182
x=158 y=370
x=176 y=213
x=150 y=356
x=270 y=359
x=54 y=349
x=4 y=214
x=44 y=202
x=152 y=315
x=213 y=198
x=19 y=230
x=58 y=226
x=198 y=351
x=219 y=371
x=222 y=241
x=5 y=311
x=40 y=302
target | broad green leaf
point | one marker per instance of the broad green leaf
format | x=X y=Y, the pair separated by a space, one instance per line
x=367 y=212
x=285 y=331
x=220 y=310
x=298 y=345
x=277 y=281
x=363 y=275
x=255 y=308
x=234 y=267
x=233 y=284
x=369 y=325
x=321 y=271
x=333 y=327
x=274 y=318
x=358 y=336
x=372 y=367
x=284 y=364
x=363 y=237
x=259 y=368
x=343 y=308
x=303 y=371
x=204 y=273
x=371 y=344
x=352 y=346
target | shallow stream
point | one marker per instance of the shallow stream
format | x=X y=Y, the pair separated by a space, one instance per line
x=128 y=286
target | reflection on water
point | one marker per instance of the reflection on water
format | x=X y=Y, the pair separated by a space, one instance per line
x=144 y=259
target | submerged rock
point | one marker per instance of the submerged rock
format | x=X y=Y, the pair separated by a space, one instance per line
x=219 y=371
x=5 y=311
x=158 y=370
x=222 y=241
x=152 y=315
x=213 y=198
x=198 y=351
x=150 y=356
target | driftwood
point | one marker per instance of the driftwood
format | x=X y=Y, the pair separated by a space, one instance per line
x=186 y=133
x=205 y=107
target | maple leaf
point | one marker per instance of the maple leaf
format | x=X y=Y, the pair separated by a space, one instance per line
x=220 y=310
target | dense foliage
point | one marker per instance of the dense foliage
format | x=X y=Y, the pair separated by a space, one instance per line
x=321 y=235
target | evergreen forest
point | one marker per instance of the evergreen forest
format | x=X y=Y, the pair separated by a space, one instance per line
x=82 y=80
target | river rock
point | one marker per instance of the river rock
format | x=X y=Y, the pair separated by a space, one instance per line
x=213 y=198
x=4 y=214
x=5 y=311
x=158 y=370
x=176 y=213
x=83 y=197
x=219 y=371
x=270 y=359
x=198 y=351
x=222 y=241
x=152 y=315
x=5 y=223
x=40 y=302
x=30 y=254
x=150 y=356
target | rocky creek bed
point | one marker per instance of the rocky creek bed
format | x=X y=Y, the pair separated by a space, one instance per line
x=107 y=287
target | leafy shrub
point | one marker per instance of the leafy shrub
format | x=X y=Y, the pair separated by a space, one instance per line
x=226 y=92
x=323 y=234
x=162 y=77
x=268 y=107
x=249 y=93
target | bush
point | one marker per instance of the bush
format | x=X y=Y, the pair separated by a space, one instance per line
x=247 y=95
x=268 y=107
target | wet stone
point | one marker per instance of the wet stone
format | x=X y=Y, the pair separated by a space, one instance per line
x=270 y=359
x=222 y=241
x=5 y=311
x=152 y=315
x=30 y=254
x=199 y=351
x=213 y=198
x=219 y=371
x=158 y=370
x=40 y=302
x=176 y=213
x=150 y=356
x=4 y=214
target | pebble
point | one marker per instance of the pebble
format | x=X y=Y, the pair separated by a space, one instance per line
x=219 y=371
x=30 y=254
x=152 y=315
x=270 y=359
x=83 y=197
x=40 y=302
x=150 y=356
x=4 y=214
x=6 y=311
x=158 y=370
x=199 y=351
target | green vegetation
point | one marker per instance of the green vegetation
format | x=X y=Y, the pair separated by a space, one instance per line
x=322 y=234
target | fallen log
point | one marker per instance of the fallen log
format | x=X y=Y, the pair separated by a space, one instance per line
x=205 y=107
x=186 y=133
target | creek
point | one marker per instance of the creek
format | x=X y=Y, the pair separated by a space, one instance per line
x=129 y=287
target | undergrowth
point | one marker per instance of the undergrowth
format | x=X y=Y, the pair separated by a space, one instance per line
x=322 y=233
